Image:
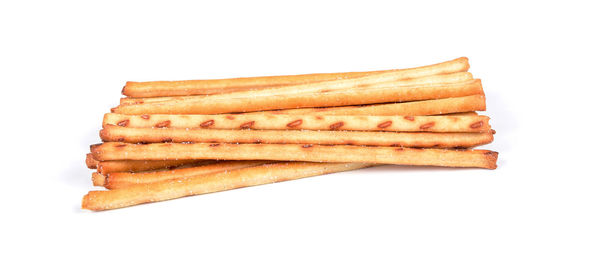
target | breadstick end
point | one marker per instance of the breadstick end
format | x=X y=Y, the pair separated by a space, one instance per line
x=90 y=162
x=491 y=157
x=87 y=201
x=98 y=179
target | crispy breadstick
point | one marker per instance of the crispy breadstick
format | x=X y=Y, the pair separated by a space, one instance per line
x=308 y=122
x=429 y=80
x=90 y=162
x=106 y=167
x=125 y=179
x=414 y=108
x=203 y=87
x=420 y=140
x=195 y=185
x=296 y=152
x=216 y=104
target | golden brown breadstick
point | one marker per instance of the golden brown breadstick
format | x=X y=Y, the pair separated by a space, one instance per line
x=308 y=122
x=106 y=167
x=90 y=162
x=429 y=80
x=125 y=179
x=297 y=152
x=216 y=104
x=414 y=108
x=202 y=87
x=195 y=185
x=420 y=140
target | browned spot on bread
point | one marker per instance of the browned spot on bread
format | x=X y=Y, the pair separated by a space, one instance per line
x=145 y=116
x=120 y=145
x=476 y=125
x=385 y=124
x=257 y=141
x=493 y=131
x=349 y=142
x=207 y=123
x=411 y=118
x=230 y=117
x=187 y=142
x=294 y=123
x=214 y=144
x=138 y=102
x=120 y=139
x=326 y=90
x=336 y=125
x=400 y=149
x=427 y=125
x=318 y=117
x=167 y=140
x=163 y=124
x=307 y=145
x=247 y=125
x=123 y=123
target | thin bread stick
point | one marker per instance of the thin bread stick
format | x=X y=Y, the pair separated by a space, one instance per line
x=203 y=87
x=429 y=80
x=106 y=167
x=412 y=139
x=125 y=179
x=195 y=185
x=215 y=105
x=414 y=108
x=90 y=162
x=308 y=122
x=297 y=152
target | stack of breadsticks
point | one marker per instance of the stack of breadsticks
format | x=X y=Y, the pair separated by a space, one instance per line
x=172 y=139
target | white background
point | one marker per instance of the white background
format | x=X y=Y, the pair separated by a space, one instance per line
x=63 y=65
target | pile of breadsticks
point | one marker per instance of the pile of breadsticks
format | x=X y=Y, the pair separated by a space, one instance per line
x=172 y=139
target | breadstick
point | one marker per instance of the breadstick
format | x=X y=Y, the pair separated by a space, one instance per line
x=195 y=185
x=203 y=87
x=296 y=152
x=427 y=107
x=90 y=162
x=420 y=140
x=414 y=108
x=216 y=104
x=429 y=80
x=125 y=179
x=311 y=122
x=106 y=167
